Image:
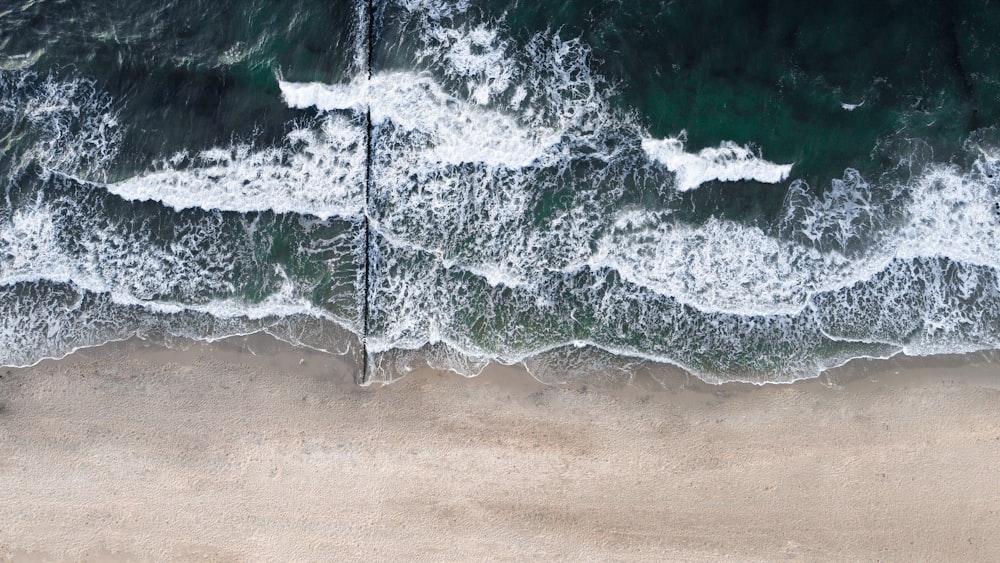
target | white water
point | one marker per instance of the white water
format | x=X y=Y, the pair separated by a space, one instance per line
x=728 y=162
x=77 y=269
x=452 y=131
x=69 y=125
x=319 y=171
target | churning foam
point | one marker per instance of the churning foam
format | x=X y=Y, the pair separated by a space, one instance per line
x=64 y=125
x=60 y=291
x=319 y=171
x=729 y=162
x=723 y=266
x=451 y=130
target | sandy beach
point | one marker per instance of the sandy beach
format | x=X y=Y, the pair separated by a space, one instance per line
x=133 y=452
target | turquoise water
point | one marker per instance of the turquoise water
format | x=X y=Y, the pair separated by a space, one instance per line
x=751 y=191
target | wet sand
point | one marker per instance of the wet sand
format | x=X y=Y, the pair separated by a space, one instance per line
x=131 y=452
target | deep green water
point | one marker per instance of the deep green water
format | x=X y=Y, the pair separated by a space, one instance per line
x=775 y=73
x=195 y=169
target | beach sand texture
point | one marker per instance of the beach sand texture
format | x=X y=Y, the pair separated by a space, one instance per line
x=130 y=452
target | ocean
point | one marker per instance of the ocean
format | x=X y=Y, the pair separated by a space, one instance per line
x=750 y=191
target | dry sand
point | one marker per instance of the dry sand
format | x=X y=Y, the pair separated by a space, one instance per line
x=132 y=452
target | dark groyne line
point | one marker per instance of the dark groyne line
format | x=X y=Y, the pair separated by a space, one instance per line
x=363 y=375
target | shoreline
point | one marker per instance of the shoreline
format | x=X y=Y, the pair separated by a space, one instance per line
x=663 y=371
x=248 y=449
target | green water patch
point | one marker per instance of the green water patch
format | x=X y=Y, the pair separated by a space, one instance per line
x=171 y=110
x=774 y=73
x=317 y=254
x=306 y=39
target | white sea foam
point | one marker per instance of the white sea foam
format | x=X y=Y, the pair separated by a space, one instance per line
x=845 y=237
x=453 y=131
x=953 y=214
x=117 y=278
x=64 y=125
x=52 y=320
x=319 y=171
x=27 y=248
x=729 y=162
x=722 y=266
